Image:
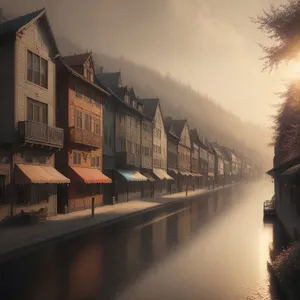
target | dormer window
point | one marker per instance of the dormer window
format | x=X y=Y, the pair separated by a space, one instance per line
x=126 y=98
x=134 y=103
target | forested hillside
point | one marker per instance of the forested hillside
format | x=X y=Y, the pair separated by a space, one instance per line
x=181 y=101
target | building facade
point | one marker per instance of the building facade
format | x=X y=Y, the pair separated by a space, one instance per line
x=80 y=112
x=211 y=179
x=195 y=159
x=152 y=108
x=172 y=154
x=28 y=133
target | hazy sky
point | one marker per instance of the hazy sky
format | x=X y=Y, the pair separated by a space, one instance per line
x=209 y=44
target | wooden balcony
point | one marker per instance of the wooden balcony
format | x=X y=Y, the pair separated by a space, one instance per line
x=85 y=137
x=40 y=134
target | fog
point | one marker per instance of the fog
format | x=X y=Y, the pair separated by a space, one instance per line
x=210 y=45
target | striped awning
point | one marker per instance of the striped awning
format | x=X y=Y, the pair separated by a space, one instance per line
x=185 y=173
x=88 y=175
x=162 y=174
x=173 y=171
x=148 y=175
x=196 y=174
x=38 y=174
x=132 y=175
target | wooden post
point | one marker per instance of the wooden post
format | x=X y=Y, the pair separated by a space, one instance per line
x=127 y=191
x=186 y=186
x=93 y=206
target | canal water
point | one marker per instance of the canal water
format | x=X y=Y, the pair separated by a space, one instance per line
x=214 y=247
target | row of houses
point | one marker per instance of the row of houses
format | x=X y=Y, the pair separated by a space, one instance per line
x=70 y=135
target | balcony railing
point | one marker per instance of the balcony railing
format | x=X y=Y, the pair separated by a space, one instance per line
x=85 y=137
x=41 y=134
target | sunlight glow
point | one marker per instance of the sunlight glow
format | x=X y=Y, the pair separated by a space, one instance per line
x=292 y=70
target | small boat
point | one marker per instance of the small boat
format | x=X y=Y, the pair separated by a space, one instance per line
x=269 y=208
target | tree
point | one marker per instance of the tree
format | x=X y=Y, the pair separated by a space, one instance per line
x=283 y=26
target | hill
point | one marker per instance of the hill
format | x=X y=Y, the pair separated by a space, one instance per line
x=181 y=101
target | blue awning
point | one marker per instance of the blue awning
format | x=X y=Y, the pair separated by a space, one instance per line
x=130 y=175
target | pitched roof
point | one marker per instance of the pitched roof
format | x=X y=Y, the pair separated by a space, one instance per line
x=225 y=152
x=150 y=104
x=76 y=74
x=110 y=80
x=76 y=59
x=9 y=28
x=14 y=25
x=178 y=126
x=168 y=124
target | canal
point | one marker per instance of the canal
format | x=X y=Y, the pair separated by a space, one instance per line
x=214 y=247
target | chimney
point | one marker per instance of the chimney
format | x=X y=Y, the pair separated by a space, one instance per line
x=101 y=69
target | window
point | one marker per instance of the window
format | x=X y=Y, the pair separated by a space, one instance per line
x=97 y=125
x=37 y=111
x=78 y=90
x=78 y=118
x=76 y=158
x=88 y=122
x=95 y=161
x=37 y=69
x=126 y=98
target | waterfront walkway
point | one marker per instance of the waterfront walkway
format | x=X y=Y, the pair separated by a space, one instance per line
x=15 y=239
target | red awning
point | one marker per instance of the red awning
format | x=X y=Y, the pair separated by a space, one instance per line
x=88 y=176
x=38 y=174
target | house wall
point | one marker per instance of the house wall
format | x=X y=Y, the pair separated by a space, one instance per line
x=109 y=128
x=172 y=157
x=128 y=139
x=184 y=150
x=7 y=88
x=147 y=144
x=159 y=141
x=36 y=40
x=288 y=203
x=195 y=159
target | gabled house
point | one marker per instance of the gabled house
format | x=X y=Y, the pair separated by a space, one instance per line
x=132 y=151
x=184 y=177
x=172 y=154
x=233 y=163
x=204 y=158
x=80 y=112
x=219 y=165
x=29 y=135
x=212 y=161
x=227 y=158
x=195 y=158
x=152 y=108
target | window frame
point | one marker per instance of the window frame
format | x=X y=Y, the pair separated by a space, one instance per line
x=34 y=72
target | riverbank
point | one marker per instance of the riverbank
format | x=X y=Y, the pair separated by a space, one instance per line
x=17 y=240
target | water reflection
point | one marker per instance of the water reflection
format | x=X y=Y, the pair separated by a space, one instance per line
x=216 y=247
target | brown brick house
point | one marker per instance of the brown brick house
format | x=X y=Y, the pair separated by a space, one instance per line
x=80 y=113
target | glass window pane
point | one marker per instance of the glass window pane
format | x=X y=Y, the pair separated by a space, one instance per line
x=29 y=66
x=36 y=69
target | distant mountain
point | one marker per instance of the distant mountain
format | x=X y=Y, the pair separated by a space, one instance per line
x=181 y=101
